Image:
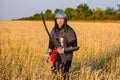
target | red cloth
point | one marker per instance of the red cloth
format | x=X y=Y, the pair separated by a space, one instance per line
x=53 y=56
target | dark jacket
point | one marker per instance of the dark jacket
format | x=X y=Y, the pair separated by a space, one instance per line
x=69 y=40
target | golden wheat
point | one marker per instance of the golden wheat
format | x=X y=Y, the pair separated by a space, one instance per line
x=23 y=45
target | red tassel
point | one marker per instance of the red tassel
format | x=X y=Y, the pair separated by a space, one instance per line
x=53 y=56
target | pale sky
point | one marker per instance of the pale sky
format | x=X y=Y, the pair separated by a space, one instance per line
x=13 y=9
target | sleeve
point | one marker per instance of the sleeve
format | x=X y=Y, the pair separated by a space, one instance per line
x=71 y=38
x=50 y=45
x=71 y=41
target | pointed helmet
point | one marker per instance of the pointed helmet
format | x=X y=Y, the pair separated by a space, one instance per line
x=60 y=14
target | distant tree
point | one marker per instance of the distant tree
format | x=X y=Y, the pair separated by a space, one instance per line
x=109 y=11
x=118 y=10
x=98 y=14
x=84 y=7
x=117 y=16
x=48 y=11
x=83 y=11
x=118 y=5
x=56 y=11
x=68 y=12
x=75 y=14
x=37 y=16
x=48 y=14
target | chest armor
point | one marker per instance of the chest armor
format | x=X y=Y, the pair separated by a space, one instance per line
x=60 y=39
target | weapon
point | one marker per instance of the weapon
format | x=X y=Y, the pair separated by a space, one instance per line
x=45 y=26
x=55 y=41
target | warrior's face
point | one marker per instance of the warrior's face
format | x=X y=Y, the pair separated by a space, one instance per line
x=60 y=22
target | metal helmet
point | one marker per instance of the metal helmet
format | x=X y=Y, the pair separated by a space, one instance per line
x=60 y=14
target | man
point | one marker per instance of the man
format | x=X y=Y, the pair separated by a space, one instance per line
x=62 y=45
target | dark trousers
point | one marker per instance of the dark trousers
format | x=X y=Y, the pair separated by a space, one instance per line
x=66 y=68
x=62 y=68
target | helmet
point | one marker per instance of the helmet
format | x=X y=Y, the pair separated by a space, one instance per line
x=60 y=14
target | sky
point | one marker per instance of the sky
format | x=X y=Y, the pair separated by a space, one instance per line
x=14 y=9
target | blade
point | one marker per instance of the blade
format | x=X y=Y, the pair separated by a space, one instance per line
x=43 y=19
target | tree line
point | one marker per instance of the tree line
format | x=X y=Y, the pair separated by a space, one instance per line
x=82 y=12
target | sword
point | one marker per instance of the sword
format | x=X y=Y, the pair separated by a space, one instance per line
x=43 y=19
x=54 y=41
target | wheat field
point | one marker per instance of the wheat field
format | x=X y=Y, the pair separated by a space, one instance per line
x=23 y=45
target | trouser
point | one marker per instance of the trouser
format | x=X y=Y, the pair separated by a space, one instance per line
x=62 y=68
x=66 y=68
